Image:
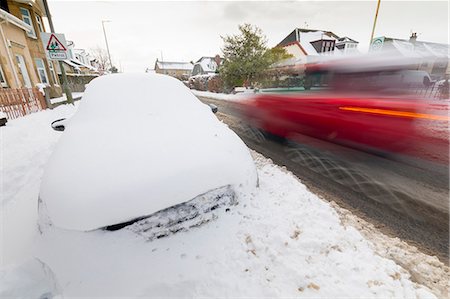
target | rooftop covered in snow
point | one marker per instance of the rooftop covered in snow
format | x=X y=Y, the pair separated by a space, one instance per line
x=170 y=65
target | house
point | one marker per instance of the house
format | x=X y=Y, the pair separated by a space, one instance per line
x=23 y=61
x=346 y=44
x=179 y=70
x=434 y=57
x=206 y=65
x=301 y=43
x=85 y=58
x=79 y=61
x=310 y=45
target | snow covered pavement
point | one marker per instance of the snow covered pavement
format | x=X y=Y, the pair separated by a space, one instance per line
x=75 y=95
x=222 y=96
x=281 y=240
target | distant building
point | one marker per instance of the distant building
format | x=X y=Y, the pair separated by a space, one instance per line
x=179 y=70
x=79 y=61
x=310 y=45
x=206 y=65
x=305 y=42
x=346 y=44
x=435 y=56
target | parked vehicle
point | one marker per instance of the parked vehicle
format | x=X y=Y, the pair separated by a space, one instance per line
x=138 y=145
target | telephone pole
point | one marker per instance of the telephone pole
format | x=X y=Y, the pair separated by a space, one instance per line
x=374 y=23
x=61 y=66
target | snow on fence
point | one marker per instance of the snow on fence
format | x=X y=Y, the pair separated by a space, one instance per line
x=21 y=101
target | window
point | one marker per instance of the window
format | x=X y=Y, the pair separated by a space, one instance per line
x=52 y=71
x=3 y=82
x=41 y=70
x=26 y=17
x=39 y=23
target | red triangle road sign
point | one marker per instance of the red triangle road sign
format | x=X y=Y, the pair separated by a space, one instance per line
x=54 y=44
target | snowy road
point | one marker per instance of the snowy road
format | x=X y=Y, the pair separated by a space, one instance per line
x=402 y=200
x=281 y=240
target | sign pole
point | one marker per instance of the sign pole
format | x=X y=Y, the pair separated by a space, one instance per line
x=61 y=66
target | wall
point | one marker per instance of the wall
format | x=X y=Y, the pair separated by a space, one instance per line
x=19 y=45
x=35 y=47
x=295 y=51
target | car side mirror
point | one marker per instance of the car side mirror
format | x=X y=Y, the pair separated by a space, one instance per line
x=59 y=124
x=214 y=108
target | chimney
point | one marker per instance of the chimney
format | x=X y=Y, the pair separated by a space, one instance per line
x=217 y=59
x=413 y=37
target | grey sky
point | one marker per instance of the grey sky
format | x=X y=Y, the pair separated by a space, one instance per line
x=183 y=31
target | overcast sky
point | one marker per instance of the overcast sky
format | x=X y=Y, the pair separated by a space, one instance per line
x=141 y=31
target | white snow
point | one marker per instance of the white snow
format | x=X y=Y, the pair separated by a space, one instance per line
x=41 y=87
x=223 y=96
x=281 y=240
x=168 y=65
x=306 y=38
x=2 y=114
x=26 y=144
x=64 y=97
x=32 y=278
x=138 y=144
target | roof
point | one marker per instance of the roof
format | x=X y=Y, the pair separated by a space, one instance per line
x=71 y=63
x=77 y=64
x=416 y=48
x=306 y=38
x=167 y=65
x=296 y=35
x=330 y=33
x=346 y=39
x=14 y=20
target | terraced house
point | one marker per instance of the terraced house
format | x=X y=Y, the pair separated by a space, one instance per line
x=23 y=62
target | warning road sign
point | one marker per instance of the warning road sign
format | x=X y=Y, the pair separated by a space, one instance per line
x=55 y=45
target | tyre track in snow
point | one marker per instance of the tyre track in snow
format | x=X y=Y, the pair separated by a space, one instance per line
x=399 y=200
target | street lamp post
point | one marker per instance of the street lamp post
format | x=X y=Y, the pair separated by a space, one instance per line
x=106 y=41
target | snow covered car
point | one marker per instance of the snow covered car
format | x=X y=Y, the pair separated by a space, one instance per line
x=141 y=144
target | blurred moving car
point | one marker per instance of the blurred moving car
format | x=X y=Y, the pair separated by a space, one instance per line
x=137 y=145
x=369 y=105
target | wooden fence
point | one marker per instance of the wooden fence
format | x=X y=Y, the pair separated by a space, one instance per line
x=21 y=101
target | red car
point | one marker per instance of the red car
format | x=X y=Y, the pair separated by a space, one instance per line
x=362 y=108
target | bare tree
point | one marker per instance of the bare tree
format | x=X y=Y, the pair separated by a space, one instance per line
x=101 y=59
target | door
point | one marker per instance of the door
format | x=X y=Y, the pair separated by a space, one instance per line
x=23 y=70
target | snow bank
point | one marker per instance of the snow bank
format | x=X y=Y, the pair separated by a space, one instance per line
x=41 y=87
x=26 y=144
x=138 y=144
x=280 y=241
x=75 y=95
x=31 y=279
x=223 y=96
